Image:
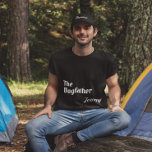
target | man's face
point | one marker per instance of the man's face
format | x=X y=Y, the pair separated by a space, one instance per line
x=83 y=33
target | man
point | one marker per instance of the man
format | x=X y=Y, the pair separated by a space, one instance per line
x=77 y=79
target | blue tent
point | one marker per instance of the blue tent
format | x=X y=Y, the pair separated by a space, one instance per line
x=138 y=104
x=8 y=117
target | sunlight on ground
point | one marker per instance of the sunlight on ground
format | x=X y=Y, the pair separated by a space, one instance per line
x=27 y=89
x=24 y=120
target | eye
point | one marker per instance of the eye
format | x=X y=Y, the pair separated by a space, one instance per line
x=86 y=27
x=77 y=28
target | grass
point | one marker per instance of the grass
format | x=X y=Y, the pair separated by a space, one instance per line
x=29 y=88
x=27 y=95
x=28 y=99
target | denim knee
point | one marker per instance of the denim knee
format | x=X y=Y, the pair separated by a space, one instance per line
x=122 y=120
x=30 y=128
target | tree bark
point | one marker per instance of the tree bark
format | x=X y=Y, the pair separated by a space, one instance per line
x=138 y=43
x=18 y=41
x=3 y=36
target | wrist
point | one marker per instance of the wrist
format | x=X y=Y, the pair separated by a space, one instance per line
x=113 y=106
x=48 y=106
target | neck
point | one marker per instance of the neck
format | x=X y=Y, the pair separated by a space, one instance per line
x=82 y=50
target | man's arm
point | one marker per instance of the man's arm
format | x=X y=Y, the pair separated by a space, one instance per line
x=114 y=93
x=50 y=96
x=51 y=90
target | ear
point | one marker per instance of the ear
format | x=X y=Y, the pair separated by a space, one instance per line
x=95 y=32
x=71 y=34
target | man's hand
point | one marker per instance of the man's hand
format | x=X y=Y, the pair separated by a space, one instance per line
x=46 y=110
x=116 y=109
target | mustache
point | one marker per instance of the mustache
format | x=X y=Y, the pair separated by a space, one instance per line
x=82 y=35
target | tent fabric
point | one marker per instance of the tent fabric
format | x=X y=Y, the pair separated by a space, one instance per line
x=143 y=127
x=8 y=117
x=135 y=104
x=7 y=136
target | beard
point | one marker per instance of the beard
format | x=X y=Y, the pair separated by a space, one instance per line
x=80 y=42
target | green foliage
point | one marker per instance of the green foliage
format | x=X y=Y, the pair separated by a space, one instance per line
x=49 y=32
x=50 y=22
x=49 y=27
x=112 y=17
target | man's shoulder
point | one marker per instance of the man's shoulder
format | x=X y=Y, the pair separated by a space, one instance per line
x=107 y=57
x=103 y=53
x=61 y=53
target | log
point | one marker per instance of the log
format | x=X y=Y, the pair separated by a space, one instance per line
x=113 y=144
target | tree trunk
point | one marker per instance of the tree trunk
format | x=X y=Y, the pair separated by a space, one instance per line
x=3 y=37
x=18 y=40
x=138 y=43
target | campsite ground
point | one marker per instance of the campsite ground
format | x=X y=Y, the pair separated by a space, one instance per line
x=28 y=100
x=20 y=138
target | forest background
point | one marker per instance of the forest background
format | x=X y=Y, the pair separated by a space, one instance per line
x=32 y=30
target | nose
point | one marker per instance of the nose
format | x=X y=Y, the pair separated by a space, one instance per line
x=82 y=30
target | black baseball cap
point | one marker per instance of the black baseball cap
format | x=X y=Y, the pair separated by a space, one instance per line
x=83 y=18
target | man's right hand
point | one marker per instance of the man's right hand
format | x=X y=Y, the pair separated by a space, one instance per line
x=46 y=110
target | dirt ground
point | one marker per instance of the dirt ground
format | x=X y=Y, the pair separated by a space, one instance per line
x=25 y=113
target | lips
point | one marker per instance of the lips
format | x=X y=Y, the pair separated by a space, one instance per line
x=82 y=37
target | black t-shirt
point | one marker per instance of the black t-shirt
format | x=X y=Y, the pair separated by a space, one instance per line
x=82 y=79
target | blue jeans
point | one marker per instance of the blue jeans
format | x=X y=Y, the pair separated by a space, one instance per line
x=90 y=123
